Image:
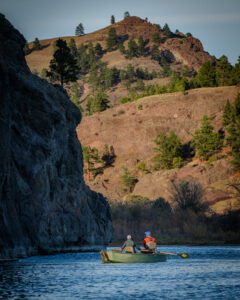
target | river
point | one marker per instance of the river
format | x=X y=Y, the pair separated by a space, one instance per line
x=211 y=272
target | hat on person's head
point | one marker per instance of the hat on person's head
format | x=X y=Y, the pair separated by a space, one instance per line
x=129 y=237
x=147 y=233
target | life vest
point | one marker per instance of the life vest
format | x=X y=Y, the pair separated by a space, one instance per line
x=150 y=243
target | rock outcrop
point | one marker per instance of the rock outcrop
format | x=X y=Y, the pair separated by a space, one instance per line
x=45 y=205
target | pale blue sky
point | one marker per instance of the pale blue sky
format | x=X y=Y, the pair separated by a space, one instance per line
x=215 y=22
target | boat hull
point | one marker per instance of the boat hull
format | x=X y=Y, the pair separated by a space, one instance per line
x=115 y=257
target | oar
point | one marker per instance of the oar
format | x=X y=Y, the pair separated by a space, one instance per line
x=183 y=255
x=104 y=257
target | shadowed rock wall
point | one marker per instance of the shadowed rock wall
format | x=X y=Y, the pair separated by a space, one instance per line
x=45 y=205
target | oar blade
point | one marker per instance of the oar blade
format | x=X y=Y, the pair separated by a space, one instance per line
x=184 y=255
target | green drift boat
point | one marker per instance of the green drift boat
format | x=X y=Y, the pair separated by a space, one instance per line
x=118 y=257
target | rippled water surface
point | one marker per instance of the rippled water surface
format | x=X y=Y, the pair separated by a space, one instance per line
x=210 y=273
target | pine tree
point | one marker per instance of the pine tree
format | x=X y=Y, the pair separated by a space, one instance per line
x=228 y=114
x=141 y=44
x=224 y=72
x=36 y=44
x=167 y=30
x=127 y=180
x=122 y=49
x=126 y=14
x=75 y=95
x=206 y=76
x=98 y=49
x=236 y=72
x=111 y=39
x=91 y=159
x=156 y=38
x=63 y=66
x=99 y=102
x=130 y=72
x=132 y=49
x=206 y=142
x=73 y=48
x=79 y=30
x=234 y=134
x=112 y=20
x=155 y=54
x=169 y=151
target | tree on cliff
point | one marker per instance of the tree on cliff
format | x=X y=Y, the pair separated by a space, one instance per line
x=233 y=128
x=63 y=66
x=126 y=14
x=167 y=30
x=79 y=30
x=112 y=19
x=169 y=151
x=36 y=44
x=206 y=142
x=111 y=39
x=26 y=49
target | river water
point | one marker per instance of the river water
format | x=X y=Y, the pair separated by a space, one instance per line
x=211 y=272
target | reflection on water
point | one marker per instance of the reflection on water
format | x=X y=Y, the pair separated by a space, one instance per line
x=210 y=273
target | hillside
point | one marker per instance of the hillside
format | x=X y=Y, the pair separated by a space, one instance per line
x=131 y=128
x=131 y=131
x=183 y=50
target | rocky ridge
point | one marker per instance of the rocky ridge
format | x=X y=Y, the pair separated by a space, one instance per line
x=182 y=50
x=45 y=206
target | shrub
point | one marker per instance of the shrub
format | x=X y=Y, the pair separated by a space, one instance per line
x=189 y=195
x=127 y=180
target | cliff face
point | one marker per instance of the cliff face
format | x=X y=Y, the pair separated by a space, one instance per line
x=45 y=205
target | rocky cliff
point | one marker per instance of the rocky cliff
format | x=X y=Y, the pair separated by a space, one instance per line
x=45 y=205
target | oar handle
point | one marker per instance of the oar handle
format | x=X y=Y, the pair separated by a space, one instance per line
x=182 y=255
x=168 y=253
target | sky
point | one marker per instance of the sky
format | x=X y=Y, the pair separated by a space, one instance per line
x=215 y=22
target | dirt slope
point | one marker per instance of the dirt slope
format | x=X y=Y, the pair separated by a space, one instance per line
x=132 y=132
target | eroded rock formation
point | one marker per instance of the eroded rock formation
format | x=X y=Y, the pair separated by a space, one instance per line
x=45 y=205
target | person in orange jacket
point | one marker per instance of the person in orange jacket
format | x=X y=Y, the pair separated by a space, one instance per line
x=149 y=242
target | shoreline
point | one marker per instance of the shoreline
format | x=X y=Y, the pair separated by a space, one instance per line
x=183 y=243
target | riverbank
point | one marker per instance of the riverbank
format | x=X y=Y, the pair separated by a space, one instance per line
x=184 y=242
